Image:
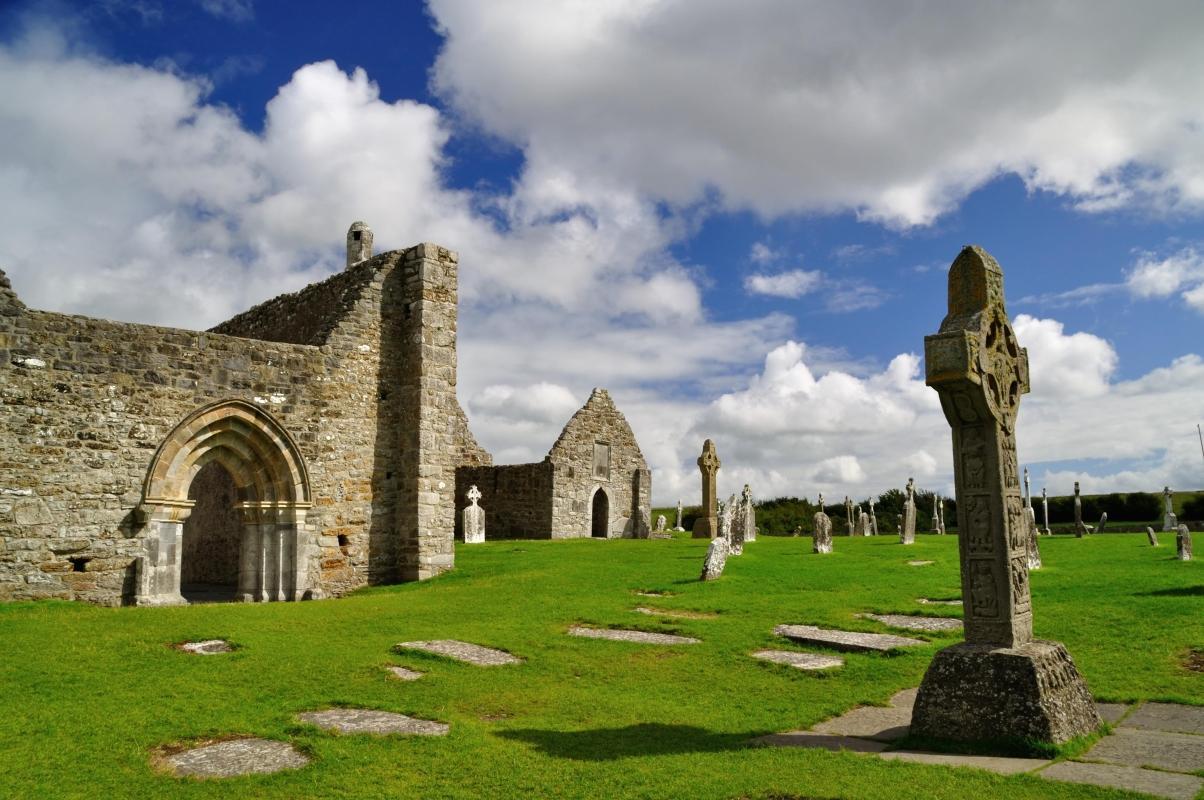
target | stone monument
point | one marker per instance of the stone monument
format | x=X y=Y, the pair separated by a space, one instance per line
x=936 y=515
x=678 y=527
x=907 y=526
x=1001 y=683
x=707 y=524
x=474 y=518
x=1153 y=537
x=1045 y=510
x=1079 y=527
x=730 y=527
x=1028 y=497
x=750 y=515
x=873 y=518
x=822 y=541
x=1103 y=520
x=716 y=559
x=940 y=505
x=863 y=523
x=1183 y=541
x=849 y=515
x=1032 y=551
x=660 y=523
x=1169 y=521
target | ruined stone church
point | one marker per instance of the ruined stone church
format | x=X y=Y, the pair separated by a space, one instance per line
x=309 y=446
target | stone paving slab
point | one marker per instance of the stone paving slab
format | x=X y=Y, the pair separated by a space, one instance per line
x=1177 y=752
x=403 y=674
x=869 y=722
x=236 y=757
x=905 y=698
x=674 y=614
x=208 y=647
x=643 y=637
x=1001 y=764
x=919 y=563
x=463 y=651
x=1111 y=712
x=924 y=601
x=823 y=741
x=1133 y=779
x=913 y=623
x=1167 y=717
x=792 y=658
x=845 y=640
x=367 y=720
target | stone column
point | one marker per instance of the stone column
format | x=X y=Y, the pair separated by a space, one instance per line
x=250 y=563
x=157 y=570
x=1000 y=684
x=707 y=524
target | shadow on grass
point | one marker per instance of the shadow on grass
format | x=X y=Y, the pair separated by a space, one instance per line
x=1178 y=591
x=645 y=739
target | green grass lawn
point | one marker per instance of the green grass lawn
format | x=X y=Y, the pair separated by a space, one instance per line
x=86 y=693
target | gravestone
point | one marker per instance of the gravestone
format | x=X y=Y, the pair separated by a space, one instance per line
x=1001 y=683
x=1028 y=498
x=907 y=526
x=1151 y=536
x=1079 y=527
x=678 y=527
x=941 y=509
x=863 y=523
x=750 y=515
x=1169 y=521
x=850 y=517
x=707 y=524
x=660 y=523
x=1032 y=551
x=728 y=526
x=873 y=518
x=1183 y=540
x=1045 y=510
x=712 y=566
x=1103 y=520
x=936 y=515
x=822 y=538
x=474 y=518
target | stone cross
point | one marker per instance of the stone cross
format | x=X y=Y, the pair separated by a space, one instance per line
x=707 y=524
x=1183 y=542
x=941 y=508
x=873 y=518
x=822 y=541
x=678 y=527
x=474 y=518
x=1000 y=683
x=1079 y=527
x=907 y=526
x=1045 y=510
x=848 y=513
x=1169 y=522
x=1028 y=497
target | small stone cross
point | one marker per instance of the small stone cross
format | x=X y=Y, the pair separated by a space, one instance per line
x=474 y=494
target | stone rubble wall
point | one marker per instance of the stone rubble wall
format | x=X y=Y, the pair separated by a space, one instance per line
x=516 y=499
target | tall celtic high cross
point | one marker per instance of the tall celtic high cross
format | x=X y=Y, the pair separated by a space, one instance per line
x=707 y=524
x=980 y=372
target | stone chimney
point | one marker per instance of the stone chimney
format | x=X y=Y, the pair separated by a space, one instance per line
x=359 y=243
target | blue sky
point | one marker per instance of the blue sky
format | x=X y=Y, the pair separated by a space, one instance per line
x=736 y=217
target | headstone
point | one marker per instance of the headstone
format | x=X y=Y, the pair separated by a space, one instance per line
x=1000 y=684
x=850 y=518
x=678 y=527
x=1103 y=520
x=716 y=559
x=707 y=524
x=873 y=518
x=1151 y=536
x=1045 y=509
x=1079 y=527
x=1032 y=551
x=1183 y=540
x=474 y=518
x=1169 y=521
x=729 y=527
x=907 y=527
x=941 y=508
x=863 y=523
x=822 y=541
x=1028 y=497
x=936 y=515
x=660 y=523
x=750 y=515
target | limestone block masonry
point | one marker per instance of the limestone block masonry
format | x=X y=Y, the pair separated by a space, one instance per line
x=332 y=410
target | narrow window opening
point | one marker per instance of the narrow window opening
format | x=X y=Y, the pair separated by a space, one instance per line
x=79 y=563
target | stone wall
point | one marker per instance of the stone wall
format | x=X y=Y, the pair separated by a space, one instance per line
x=516 y=499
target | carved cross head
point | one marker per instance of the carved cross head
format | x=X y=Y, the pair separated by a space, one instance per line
x=474 y=494
x=746 y=494
x=709 y=460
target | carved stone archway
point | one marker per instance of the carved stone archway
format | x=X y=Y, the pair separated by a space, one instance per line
x=273 y=496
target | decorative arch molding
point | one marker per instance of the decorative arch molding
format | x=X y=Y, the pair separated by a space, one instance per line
x=273 y=492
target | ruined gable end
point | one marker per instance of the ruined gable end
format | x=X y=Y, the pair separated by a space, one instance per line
x=10 y=304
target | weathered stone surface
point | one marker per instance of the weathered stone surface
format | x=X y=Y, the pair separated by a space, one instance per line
x=1132 y=779
x=660 y=523
x=912 y=623
x=404 y=674
x=707 y=524
x=1003 y=765
x=999 y=684
x=367 y=720
x=235 y=757
x=1169 y=521
x=1111 y=712
x=748 y=517
x=1032 y=550
x=1045 y=511
x=1151 y=537
x=852 y=641
x=907 y=528
x=863 y=524
x=1183 y=544
x=463 y=651
x=920 y=563
x=677 y=525
x=1177 y=752
x=804 y=661
x=1079 y=527
x=869 y=722
x=716 y=559
x=208 y=647
x=822 y=537
x=1167 y=717
x=641 y=637
x=976 y=692
x=1103 y=521
x=473 y=518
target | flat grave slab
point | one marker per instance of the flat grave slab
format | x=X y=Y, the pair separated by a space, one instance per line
x=1133 y=779
x=463 y=651
x=367 y=720
x=673 y=613
x=1167 y=717
x=236 y=757
x=823 y=741
x=207 y=647
x=403 y=674
x=642 y=637
x=1001 y=764
x=913 y=623
x=919 y=563
x=925 y=601
x=1111 y=712
x=1177 y=752
x=869 y=722
x=791 y=658
x=845 y=640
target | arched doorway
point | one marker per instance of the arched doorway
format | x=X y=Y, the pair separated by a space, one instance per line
x=265 y=476
x=212 y=537
x=600 y=515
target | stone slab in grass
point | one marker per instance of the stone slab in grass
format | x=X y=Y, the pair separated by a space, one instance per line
x=912 y=623
x=643 y=637
x=1133 y=779
x=673 y=614
x=823 y=741
x=367 y=720
x=463 y=651
x=919 y=563
x=236 y=757
x=845 y=640
x=208 y=647
x=1167 y=717
x=1111 y=712
x=791 y=658
x=1177 y=752
x=869 y=722
x=926 y=601
x=1003 y=765
x=403 y=674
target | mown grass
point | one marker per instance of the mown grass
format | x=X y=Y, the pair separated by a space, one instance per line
x=88 y=693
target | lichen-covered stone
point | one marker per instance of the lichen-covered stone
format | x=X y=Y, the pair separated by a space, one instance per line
x=822 y=537
x=1183 y=543
x=716 y=559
